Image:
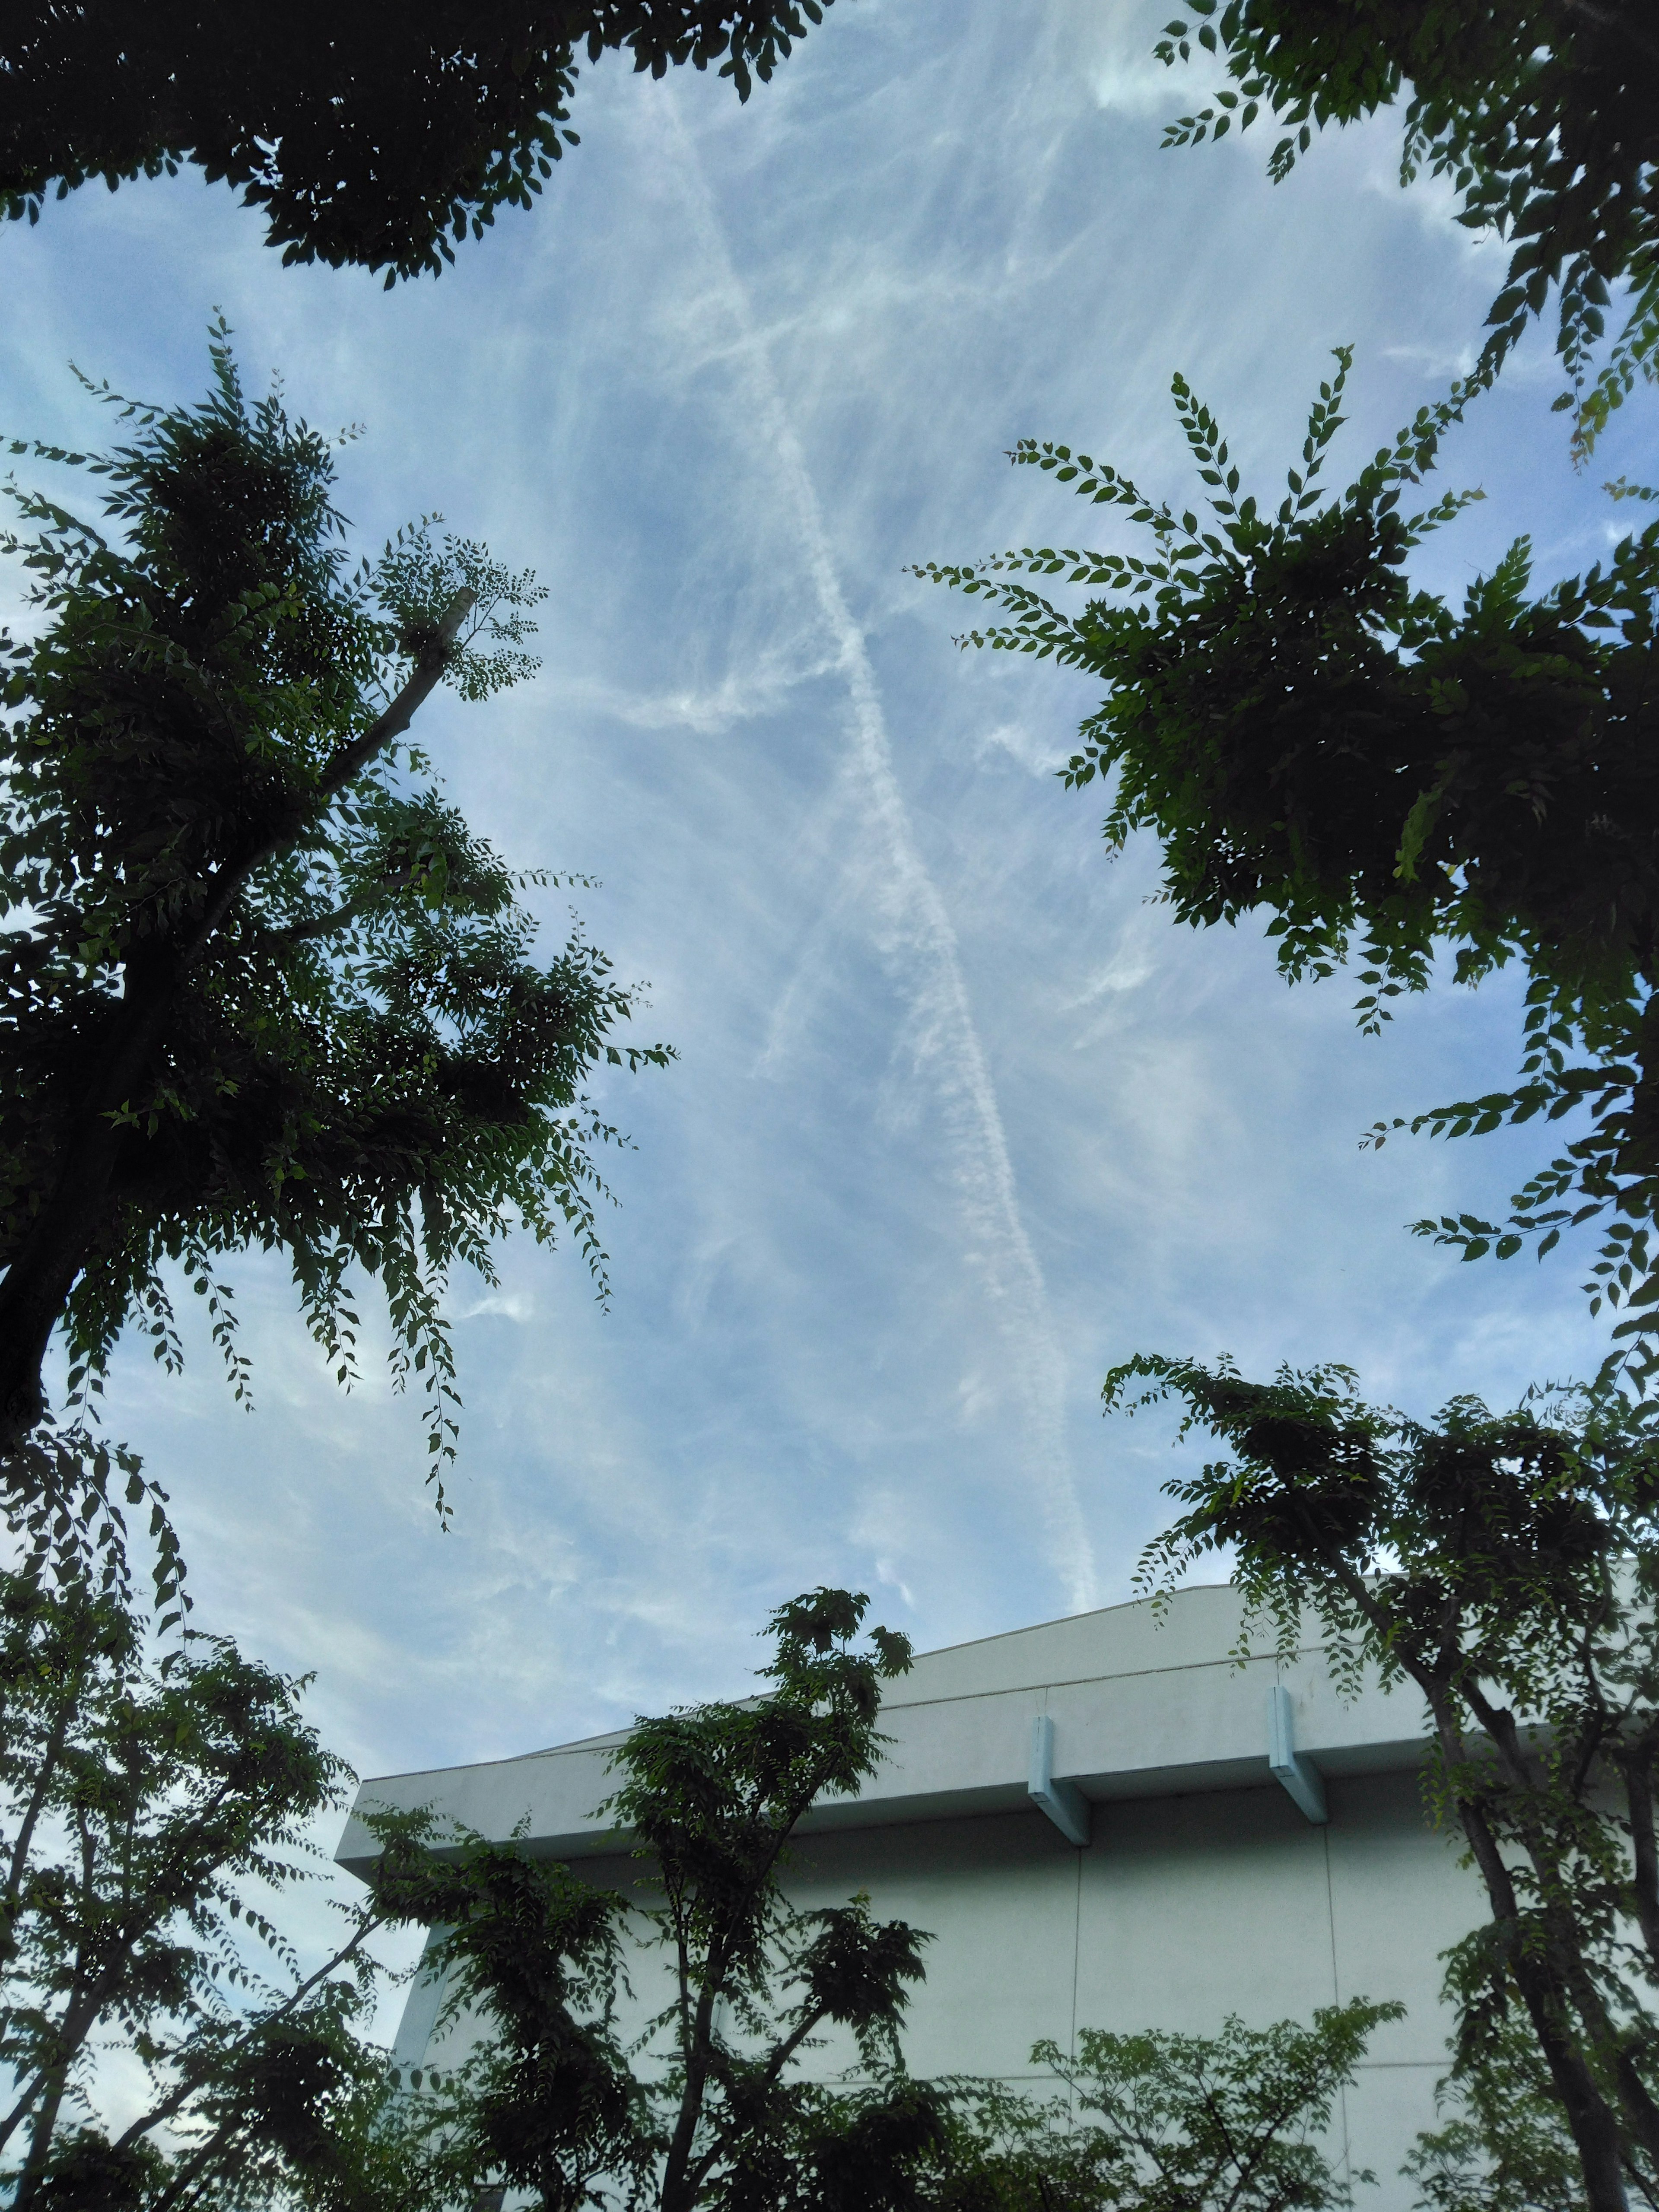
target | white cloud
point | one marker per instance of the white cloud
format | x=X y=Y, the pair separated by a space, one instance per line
x=1034 y=750
x=913 y=932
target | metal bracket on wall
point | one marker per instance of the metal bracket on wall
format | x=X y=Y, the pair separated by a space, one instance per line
x=1299 y=1776
x=1063 y=1802
x=422 y=2004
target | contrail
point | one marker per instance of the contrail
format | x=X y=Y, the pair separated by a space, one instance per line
x=916 y=931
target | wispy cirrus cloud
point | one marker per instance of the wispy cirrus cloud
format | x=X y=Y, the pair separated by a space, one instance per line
x=911 y=927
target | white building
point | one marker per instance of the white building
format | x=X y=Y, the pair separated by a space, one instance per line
x=1106 y=1822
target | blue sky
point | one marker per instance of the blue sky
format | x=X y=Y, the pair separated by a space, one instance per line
x=959 y=1118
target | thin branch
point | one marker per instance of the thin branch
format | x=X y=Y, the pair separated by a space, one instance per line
x=188 y=2088
x=348 y=760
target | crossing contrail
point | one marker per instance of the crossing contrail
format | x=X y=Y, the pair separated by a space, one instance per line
x=918 y=943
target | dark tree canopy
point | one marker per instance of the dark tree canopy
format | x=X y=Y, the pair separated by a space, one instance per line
x=1385 y=773
x=155 y=1806
x=1543 y=113
x=372 y=135
x=261 y=984
x=1506 y=1566
x=710 y=2107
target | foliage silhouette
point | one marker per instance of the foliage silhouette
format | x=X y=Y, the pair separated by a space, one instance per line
x=1507 y=1565
x=1306 y=731
x=373 y=136
x=263 y=985
x=1544 y=115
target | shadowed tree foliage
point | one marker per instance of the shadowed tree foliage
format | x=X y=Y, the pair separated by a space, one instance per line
x=147 y=1801
x=1155 y=2122
x=1544 y=115
x=262 y=985
x=535 y=1956
x=713 y=1796
x=1507 y=1565
x=1392 y=776
x=1161 y=2122
x=711 y=2109
x=375 y=135
x=1501 y=2143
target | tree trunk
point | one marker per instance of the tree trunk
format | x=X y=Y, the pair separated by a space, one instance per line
x=678 y=2191
x=46 y=2123
x=1591 y=2121
x=44 y=1272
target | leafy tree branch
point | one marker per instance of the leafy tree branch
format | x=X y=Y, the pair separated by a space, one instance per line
x=1504 y=1565
x=1307 y=730
x=263 y=984
x=377 y=139
x=1543 y=115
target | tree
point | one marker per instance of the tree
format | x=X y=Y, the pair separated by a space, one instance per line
x=1160 y=2122
x=715 y=2112
x=153 y=1812
x=263 y=986
x=1306 y=731
x=373 y=136
x=1507 y=1566
x=146 y=1800
x=1503 y=2144
x=534 y=1955
x=1543 y=113
x=1221 y=2121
